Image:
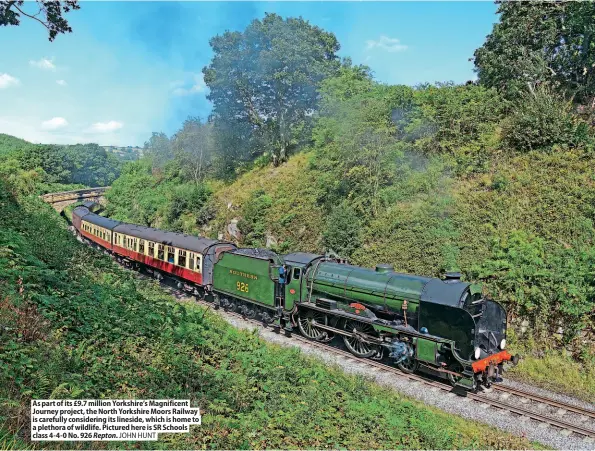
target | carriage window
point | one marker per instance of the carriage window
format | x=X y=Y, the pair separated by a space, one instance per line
x=296 y=273
x=160 y=253
x=182 y=258
x=141 y=246
x=169 y=254
x=191 y=260
x=152 y=249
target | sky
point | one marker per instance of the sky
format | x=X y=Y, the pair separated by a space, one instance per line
x=132 y=68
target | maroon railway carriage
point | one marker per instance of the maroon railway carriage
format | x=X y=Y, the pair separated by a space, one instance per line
x=187 y=257
x=94 y=227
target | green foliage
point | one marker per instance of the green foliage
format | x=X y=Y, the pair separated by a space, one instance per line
x=553 y=369
x=549 y=288
x=542 y=120
x=341 y=233
x=252 y=225
x=459 y=120
x=49 y=14
x=34 y=168
x=159 y=150
x=166 y=200
x=540 y=42
x=75 y=325
x=187 y=199
x=288 y=56
x=10 y=144
x=193 y=148
x=356 y=142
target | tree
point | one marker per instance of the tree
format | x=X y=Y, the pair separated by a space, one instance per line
x=268 y=76
x=49 y=14
x=158 y=149
x=91 y=165
x=87 y=164
x=193 y=148
x=540 y=42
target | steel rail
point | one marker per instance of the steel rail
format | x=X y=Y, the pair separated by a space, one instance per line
x=586 y=432
x=563 y=425
x=549 y=401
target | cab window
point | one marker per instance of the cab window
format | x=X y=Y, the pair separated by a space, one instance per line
x=297 y=272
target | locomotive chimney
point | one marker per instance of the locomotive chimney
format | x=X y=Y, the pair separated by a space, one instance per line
x=384 y=268
x=452 y=277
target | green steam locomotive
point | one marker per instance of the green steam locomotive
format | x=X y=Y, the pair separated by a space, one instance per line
x=442 y=325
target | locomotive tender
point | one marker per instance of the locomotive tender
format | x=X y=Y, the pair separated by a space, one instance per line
x=445 y=326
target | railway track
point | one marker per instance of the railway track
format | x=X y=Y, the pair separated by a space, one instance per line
x=528 y=410
x=527 y=407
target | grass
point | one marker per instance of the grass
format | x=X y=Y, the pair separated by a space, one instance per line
x=557 y=372
x=78 y=326
x=457 y=220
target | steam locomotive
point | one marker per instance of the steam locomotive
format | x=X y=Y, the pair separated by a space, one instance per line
x=443 y=325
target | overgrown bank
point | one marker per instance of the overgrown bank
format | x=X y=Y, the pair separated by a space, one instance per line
x=77 y=326
x=493 y=177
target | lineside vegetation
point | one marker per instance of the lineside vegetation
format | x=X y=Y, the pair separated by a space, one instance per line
x=75 y=325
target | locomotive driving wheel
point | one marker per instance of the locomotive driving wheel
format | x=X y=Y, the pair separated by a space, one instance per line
x=307 y=321
x=356 y=342
x=409 y=365
x=454 y=379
